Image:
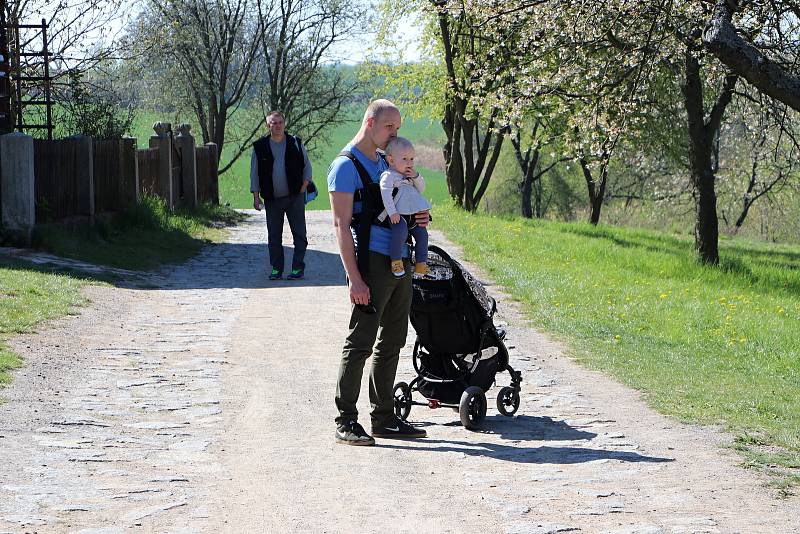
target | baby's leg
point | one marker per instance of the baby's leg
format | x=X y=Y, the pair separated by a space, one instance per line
x=398 y=241
x=420 y=235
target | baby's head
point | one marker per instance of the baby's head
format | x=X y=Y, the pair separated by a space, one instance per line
x=400 y=155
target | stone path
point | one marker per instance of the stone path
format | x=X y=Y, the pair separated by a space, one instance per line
x=201 y=401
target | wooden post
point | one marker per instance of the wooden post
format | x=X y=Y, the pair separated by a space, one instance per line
x=185 y=145
x=163 y=143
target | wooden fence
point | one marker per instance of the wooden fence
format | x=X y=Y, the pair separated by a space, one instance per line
x=148 y=164
x=115 y=181
x=62 y=180
x=81 y=176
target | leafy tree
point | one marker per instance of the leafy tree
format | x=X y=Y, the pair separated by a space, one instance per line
x=243 y=58
x=92 y=108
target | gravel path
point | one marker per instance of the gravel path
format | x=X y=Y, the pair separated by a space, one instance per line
x=201 y=400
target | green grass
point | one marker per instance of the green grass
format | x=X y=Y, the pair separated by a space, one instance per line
x=28 y=296
x=234 y=185
x=145 y=236
x=706 y=345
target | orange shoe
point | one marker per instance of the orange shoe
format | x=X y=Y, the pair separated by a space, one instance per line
x=421 y=269
x=398 y=269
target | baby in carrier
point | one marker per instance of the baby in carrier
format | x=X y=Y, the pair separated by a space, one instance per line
x=402 y=207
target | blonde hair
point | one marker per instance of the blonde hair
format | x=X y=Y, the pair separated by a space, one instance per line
x=397 y=144
x=274 y=113
x=378 y=107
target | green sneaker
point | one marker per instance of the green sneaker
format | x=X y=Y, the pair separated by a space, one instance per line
x=351 y=433
x=296 y=274
x=275 y=275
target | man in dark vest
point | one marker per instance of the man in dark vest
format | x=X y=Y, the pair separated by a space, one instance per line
x=279 y=173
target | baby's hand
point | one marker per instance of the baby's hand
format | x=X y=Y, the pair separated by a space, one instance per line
x=395 y=218
x=411 y=173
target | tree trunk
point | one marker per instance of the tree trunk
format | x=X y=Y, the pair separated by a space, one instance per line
x=470 y=180
x=596 y=190
x=454 y=166
x=702 y=133
x=526 y=189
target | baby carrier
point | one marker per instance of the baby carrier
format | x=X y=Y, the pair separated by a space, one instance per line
x=458 y=350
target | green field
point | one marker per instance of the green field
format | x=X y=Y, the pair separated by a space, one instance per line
x=234 y=185
x=706 y=345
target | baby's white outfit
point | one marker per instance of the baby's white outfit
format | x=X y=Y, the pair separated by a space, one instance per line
x=408 y=199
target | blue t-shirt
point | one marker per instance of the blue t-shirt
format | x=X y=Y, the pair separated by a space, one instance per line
x=343 y=178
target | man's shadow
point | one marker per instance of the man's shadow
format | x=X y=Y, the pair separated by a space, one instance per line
x=527 y=428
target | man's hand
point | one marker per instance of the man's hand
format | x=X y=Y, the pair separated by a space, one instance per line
x=422 y=218
x=257 y=203
x=305 y=185
x=359 y=292
x=395 y=218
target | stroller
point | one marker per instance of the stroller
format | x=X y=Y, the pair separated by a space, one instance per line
x=458 y=350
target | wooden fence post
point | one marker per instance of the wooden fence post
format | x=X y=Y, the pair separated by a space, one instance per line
x=185 y=145
x=213 y=172
x=163 y=143
x=17 y=184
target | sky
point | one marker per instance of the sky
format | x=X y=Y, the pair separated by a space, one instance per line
x=351 y=51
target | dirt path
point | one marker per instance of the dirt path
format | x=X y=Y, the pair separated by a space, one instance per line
x=203 y=401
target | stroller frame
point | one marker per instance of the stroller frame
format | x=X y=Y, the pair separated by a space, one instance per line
x=472 y=403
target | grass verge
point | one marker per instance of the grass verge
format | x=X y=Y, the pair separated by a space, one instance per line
x=705 y=345
x=28 y=296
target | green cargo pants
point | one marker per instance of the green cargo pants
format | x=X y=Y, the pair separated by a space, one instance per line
x=392 y=299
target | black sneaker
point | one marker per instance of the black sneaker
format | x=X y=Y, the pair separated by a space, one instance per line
x=275 y=275
x=296 y=274
x=398 y=429
x=351 y=433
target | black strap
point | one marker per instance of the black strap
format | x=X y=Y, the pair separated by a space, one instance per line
x=362 y=222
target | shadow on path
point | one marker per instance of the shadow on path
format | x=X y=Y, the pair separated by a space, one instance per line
x=526 y=455
x=528 y=428
x=218 y=266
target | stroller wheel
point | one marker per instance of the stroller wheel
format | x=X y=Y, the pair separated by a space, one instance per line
x=402 y=400
x=507 y=401
x=472 y=408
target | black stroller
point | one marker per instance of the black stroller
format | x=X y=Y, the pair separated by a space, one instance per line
x=458 y=350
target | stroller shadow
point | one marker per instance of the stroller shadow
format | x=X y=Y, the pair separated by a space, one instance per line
x=530 y=455
x=528 y=428
x=535 y=428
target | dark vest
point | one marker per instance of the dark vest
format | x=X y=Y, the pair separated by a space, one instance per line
x=295 y=163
